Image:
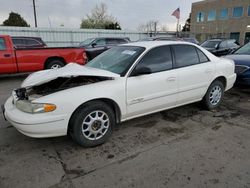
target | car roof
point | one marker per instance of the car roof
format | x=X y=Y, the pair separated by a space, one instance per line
x=152 y=44
x=216 y=40
x=26 y=37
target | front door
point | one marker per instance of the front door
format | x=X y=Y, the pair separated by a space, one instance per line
x=154 y=90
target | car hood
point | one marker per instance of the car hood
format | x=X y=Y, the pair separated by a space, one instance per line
x=239 y=59
x=70 y=70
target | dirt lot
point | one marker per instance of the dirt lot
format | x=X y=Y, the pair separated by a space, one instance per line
x=183 y=147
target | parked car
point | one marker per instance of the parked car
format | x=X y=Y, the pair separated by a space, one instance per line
x=28 y=42
x=96 y=46
x=27 y=60
x=192 y=40
x=123 y=83
x=241 y=59
x=220 y=47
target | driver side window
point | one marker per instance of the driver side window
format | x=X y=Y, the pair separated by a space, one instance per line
x=157 y=59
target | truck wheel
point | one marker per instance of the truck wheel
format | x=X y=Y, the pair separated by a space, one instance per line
x=214 y=95
x=55 y=64
x=92 y=124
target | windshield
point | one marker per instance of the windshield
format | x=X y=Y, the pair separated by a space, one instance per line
x=86 y=42
x=117 y=60
x=210 y=44
x=244 y=50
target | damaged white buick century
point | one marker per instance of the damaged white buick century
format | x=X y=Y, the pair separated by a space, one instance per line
x=125 y=82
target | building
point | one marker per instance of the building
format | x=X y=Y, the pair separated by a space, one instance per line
x=221 y=19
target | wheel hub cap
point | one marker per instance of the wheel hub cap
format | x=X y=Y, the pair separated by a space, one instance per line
x=95 y=125
x=215 y=95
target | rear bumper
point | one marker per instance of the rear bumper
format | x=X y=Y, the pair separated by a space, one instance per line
x=35 y=125
x=230 y=81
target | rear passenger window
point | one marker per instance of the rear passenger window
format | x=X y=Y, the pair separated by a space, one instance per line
x=31 y=42
x=158 y=59
x=121 y=41
x=203 y=58
x=112 y=41
x=2 y=44
x=185 y=55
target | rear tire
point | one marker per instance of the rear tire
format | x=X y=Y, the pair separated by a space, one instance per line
x=214 y=95
x=92 y=124
x=54 y=64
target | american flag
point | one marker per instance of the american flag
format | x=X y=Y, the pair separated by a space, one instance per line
x=176 y=13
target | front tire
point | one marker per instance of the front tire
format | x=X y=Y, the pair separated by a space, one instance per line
x=92 y=124
x=214 y=95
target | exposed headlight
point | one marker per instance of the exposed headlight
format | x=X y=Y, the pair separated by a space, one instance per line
x=34 y=108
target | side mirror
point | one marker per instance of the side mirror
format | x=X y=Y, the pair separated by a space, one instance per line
x=93 y=45
x=217 y=46
x=141 y=71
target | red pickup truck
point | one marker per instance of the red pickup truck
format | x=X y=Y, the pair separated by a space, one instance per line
x=28 y=60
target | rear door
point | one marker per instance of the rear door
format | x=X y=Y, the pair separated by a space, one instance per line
x=195 y=72
x=7 y=58
x=152 y=92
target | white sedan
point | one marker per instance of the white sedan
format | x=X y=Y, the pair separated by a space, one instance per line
x=124 y=82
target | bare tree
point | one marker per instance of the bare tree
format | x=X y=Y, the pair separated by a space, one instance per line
x=100 y=19
x=149 y=27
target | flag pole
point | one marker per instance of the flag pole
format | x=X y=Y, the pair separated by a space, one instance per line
x=177 y=28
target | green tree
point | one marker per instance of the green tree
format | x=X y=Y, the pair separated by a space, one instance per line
x=186 y=27
x=15 y=19
x=100 y=19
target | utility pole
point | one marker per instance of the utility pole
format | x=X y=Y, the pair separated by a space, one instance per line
x=34 y=7
x=155 y=28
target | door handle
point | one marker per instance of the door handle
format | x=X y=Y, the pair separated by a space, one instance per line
x=208 y=71
x=171 y=79
x=7 y=55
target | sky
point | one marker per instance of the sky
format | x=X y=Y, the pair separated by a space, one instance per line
x=69 y=13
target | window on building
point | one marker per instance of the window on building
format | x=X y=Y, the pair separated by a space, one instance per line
x=249 y=11
x=200 y=17
x=237 y=12
x=224 y=13
x=211 y=15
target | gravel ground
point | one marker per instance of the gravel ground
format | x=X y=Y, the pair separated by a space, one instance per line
x=182 y=147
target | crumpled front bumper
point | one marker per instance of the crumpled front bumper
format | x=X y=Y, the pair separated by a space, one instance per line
x=35 y=125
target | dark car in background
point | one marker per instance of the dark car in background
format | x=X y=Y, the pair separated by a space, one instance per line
x=28 y=42
x=96 y=46
x=192 y=40
x=241 y=59
x=220 y=47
